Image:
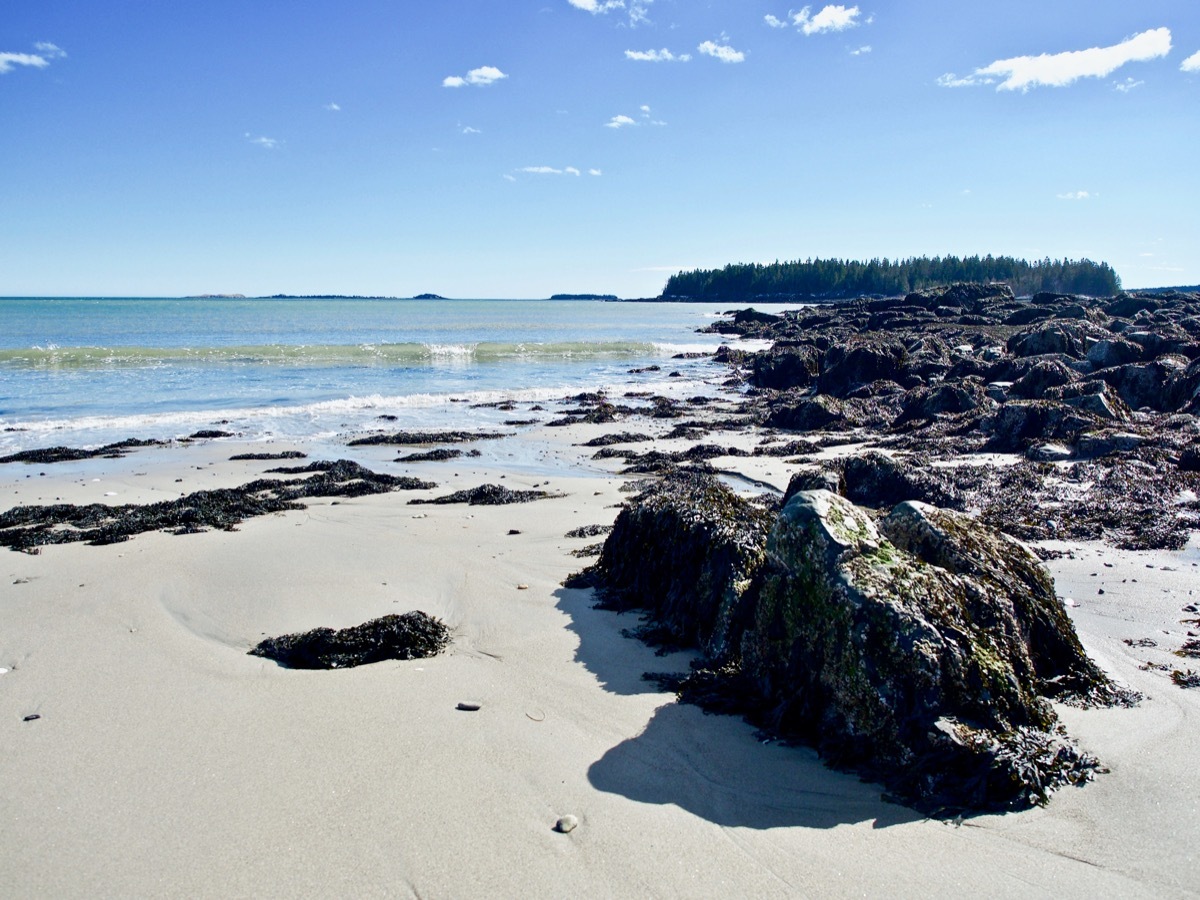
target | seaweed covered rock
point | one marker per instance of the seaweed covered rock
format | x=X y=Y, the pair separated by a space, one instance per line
x=785 y=366
x=686 y=550
x=919 y=655
x=413 y=635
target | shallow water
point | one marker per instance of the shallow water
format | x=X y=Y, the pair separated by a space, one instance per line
x=87 y=371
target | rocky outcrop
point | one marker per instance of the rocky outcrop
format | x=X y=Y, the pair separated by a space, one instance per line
x=920 y=651
x=413 y=635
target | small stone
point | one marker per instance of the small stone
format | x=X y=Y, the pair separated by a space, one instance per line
x=31 y=717
x=469 y=706
x=566 y=824
x=514 y=531
x=522 y=587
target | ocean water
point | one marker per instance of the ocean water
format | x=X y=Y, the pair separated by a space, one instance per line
x=88 y=371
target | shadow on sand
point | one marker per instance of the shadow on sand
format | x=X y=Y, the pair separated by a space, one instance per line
x=711 y=766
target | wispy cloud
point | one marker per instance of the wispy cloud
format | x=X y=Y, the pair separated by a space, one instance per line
x=663 y=55
x=550 y=170
x=639 y=10
x=39 y=60
x=723 y=52
x=620 y=122
x=866 y=48
x=1077 y=195
x=1021 y=73
x=645 y=118
x=267 y=143
x=1191 y=64
x=1127 y=85
x=49 y=51
x=467 y=129
x=333 y=107
x=481 y=77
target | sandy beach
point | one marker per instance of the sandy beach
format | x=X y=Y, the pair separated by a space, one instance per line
x=165 y=761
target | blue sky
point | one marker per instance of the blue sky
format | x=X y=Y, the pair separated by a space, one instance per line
x=477 y=148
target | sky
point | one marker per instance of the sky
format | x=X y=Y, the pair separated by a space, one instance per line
x=478 y=148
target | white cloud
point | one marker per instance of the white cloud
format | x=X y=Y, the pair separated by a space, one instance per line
x=333 y=107
x=508 y=177
x=639 y=10
x=866 y=48
x=830 y=18
x=774 y=22
x=597 y=6
x=467 y=129
x=723 y=52
x=571 y=170
x=1021 y=73
x=9 y=60
x=1191 y=64
x=663 y=55
x=1127 y=85
x=267 y=143
x=1077 y=195
x=540 y=170
x=595 y=172
x=619 y=122
x=481 y=77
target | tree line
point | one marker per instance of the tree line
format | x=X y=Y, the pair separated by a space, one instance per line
x=844 y=278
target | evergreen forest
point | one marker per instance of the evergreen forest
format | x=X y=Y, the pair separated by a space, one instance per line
x=831 y=279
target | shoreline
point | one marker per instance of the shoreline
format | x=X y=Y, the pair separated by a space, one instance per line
x=165 y=760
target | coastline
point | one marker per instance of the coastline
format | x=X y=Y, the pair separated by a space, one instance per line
x=167 y=761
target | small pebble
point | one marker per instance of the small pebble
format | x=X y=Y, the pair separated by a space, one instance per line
x=522 y=587
x=469 y=706
x=566 y=824
x=31 y=717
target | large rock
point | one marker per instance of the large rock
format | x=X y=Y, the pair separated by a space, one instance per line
x=850 y=366
x=686 y=549
x=919 y=655
x=1020 y=423
x=785 y=366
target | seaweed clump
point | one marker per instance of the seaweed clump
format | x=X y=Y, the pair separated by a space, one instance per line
x=413 y=635
x=29 y=527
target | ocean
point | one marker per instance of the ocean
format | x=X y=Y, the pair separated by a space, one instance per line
x=84 y=372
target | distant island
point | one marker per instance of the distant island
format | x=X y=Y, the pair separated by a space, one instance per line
x=322 y=297
x=215 y=297
x=837 y=279
x=583 y=296
x=429 y=297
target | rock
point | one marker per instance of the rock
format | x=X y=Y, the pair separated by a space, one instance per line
x=488 y=495
x=1042 y=375
x=413 y=635
x=1104 y=443
x=919 y=655
x=1094 y=397
x=1189 y=459
x=566 y=824
x=1065 y=338
x=877 y=480
x=847 y=367
x=469 y=706
x=928 y=402
x=1151 y=385
x=686 y=549
x=785 y=366
x=1049 y=453
x=1019 y=423
x=1113 y=352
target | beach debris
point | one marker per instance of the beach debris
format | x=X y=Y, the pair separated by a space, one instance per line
x=32 y=717
x=1140 y=642
x=919 y=651
x=489 y=495
x=1188 y=679
x=412 y=635
x=522 y=587
x=210 y=433
x=469 y=706
x=566 y=824
x=28 y=527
